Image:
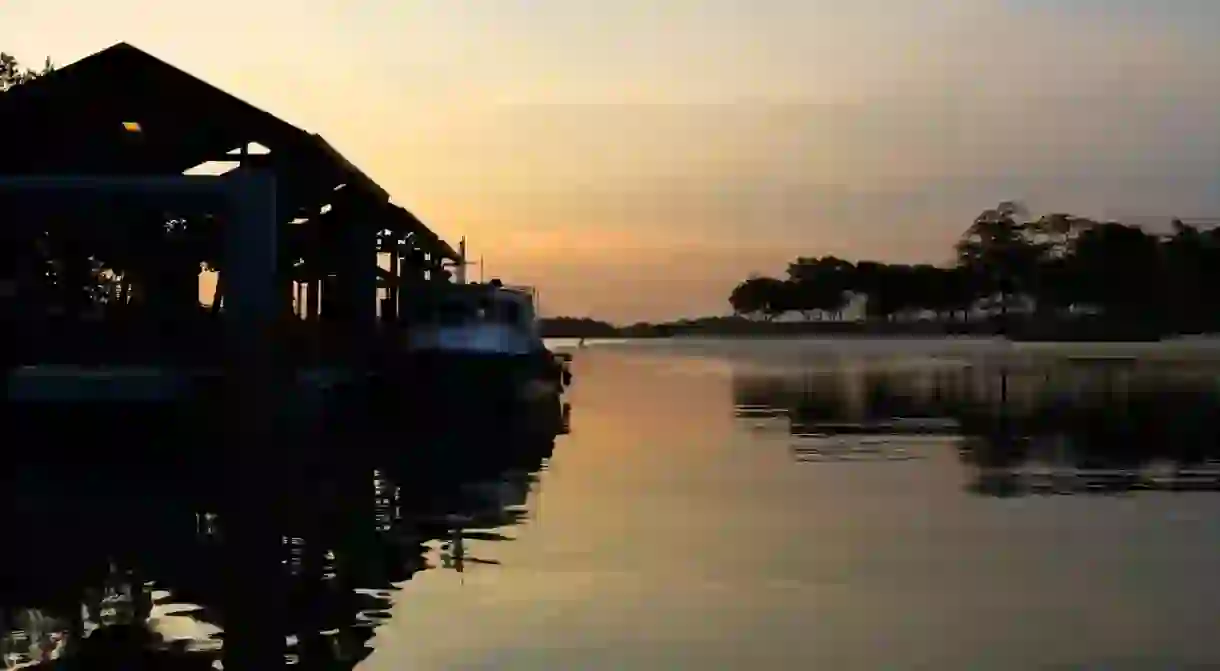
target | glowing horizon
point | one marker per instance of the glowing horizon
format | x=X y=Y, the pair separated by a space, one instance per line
x=635 y=160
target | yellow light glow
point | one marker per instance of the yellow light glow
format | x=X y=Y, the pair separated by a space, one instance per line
x=132 y=127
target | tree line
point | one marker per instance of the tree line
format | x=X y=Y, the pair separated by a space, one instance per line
x=12 y=73
x=1055 y=266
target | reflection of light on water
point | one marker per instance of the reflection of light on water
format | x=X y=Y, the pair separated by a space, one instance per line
x=564 y=344
x=759 y=412
x=173 y=622
x=1062 y=477
x=876 y=447
x=486 y=510
x=37 y=638
x=127 y=618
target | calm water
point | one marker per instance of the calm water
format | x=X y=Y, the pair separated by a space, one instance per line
x=672 y=532
x=754 y=505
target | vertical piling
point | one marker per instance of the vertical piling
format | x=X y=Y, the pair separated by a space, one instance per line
x=253 y=542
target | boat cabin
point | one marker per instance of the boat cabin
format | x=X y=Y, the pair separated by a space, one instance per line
x=483 y=318
x=458 y=305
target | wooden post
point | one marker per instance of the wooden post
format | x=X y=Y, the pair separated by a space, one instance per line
x=313 y=296
x=400 y=266
x=252 y=304
x=360 y=285
x=251 y=296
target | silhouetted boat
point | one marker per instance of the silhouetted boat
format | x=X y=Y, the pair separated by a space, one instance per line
x=479 y=345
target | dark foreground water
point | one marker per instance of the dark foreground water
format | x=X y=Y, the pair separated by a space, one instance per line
x=742 y=505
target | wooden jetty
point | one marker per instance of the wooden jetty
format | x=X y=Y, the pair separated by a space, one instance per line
x=123 y=114
x=268 y=409
x=105 y=238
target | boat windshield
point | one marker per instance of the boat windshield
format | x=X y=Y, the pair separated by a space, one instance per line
x=464 y=312
x=509 y=313
x=451 y=313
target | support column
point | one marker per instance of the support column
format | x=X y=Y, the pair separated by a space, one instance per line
x=396 y=271
x=313 y=294
x=253 y=301
x=362 y=287
x=251 y=279
x=330 y=306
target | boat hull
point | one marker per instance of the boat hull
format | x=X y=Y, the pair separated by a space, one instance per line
x=473 y=390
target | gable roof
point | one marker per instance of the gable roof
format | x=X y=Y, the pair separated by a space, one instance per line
x=71 y=119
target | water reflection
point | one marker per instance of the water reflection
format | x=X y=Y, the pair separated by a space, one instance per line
x=1069 y=426
x=295 y=559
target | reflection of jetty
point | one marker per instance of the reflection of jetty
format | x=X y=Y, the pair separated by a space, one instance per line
x=129 y=176
x=164 y=584
x=135 y=187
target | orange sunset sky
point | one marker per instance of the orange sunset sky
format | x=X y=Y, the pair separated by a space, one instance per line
x=635 y=158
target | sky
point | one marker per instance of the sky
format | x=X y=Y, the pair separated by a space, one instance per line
x=635 y=159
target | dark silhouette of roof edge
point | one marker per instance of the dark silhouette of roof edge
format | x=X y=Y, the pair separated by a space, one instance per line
x=333 y=154
x=204 y=84
x=65 y=75
x=427 y=233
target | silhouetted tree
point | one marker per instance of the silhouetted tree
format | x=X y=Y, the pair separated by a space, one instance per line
x=928 y=290
x=820 y=284
x=1192 y=266
x=12 y=73
x=759 y=296
x=17 y=249
x=1060 y=261
x=1119 y=269
x=1057 y=231
x=1001 y=251
x=868 y=281
x=961 y=290
x=1056 y=285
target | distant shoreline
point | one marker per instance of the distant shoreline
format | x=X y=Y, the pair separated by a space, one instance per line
x=1016 y=329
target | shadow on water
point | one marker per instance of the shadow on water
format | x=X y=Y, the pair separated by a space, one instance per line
x=1055 y=427
x=120 y=565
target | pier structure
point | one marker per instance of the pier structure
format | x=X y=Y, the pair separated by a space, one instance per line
x=124 y=183
x=114 y=200
x=124 y=113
